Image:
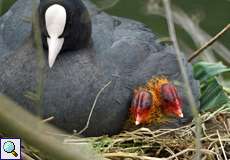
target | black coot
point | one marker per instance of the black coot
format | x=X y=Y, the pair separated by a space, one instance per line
x=124 y=52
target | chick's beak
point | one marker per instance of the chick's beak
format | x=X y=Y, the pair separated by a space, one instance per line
x=180 y=114
x=138 y=120
x=137 y=123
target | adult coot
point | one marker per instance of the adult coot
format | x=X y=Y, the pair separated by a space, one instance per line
x=123 y=51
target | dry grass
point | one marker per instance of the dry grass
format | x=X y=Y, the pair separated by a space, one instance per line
x=166 y=144
x=179 y=143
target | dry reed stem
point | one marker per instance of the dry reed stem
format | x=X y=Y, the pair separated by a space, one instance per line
x=130 y=155
x=209 y=43
x=48 y=119
x=26 y=157
x=221 y=144
x=205 y=151
x=92 y=109
x=190 y=96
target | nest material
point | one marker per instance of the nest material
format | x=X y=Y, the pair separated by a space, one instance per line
x=179 y=143
x=162 y=144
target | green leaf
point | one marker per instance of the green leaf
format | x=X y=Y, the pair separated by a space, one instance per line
x=5 y=5
x=212 y=96
x=205 y=70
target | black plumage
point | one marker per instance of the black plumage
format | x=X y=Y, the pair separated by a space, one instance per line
x=124 y=52
x=78 y=28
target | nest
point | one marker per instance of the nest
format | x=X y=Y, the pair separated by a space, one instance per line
x=179 y=143
x=210 y=140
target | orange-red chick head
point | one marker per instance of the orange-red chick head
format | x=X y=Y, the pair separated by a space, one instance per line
x=171 y=101
x=141 y=105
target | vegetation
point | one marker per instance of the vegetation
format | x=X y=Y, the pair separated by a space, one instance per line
x=42 y=141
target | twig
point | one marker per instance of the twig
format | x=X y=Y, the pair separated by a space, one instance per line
x=94 y=104
x=36 y=156
x=171 y=151
x=48 y=119
x=221 y=144
x=206 y=151
x=191 y=99
x=209 y=43
x=26 y=157
x=40 y=61
x=171 y=130
x=130 y=155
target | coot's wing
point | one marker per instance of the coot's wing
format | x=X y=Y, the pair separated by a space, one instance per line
x=15 y=25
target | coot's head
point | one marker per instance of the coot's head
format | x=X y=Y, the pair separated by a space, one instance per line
x=156 y=100
x=171 y=101
x=141 y=107
x=65 y=25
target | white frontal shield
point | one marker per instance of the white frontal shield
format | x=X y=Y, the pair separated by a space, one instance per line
x=55 y=18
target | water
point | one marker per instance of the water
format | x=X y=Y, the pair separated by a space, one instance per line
x=4 y=5
x=214 y=15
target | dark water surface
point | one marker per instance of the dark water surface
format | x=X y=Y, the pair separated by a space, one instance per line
x=214 y=15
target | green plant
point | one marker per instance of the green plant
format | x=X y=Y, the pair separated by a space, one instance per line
x=213 y=94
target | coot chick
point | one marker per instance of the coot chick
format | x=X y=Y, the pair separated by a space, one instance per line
x=156 y=103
